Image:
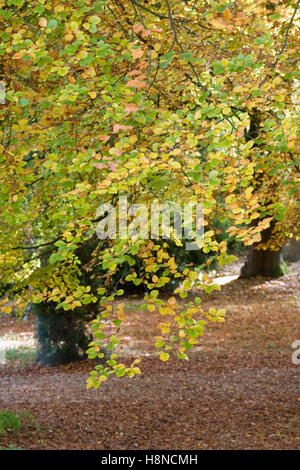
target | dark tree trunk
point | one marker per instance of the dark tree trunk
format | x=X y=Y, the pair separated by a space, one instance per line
x=266 y=263
x=263 y=263
x=61 y=336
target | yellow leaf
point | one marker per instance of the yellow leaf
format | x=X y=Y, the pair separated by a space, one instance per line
x=198 y=114
x=59 y=8
x=154 y=54
x=172 y=301
x=132 y=139
x=74 y=26
x=163 y=310
x=176 y=165
x=164 y=356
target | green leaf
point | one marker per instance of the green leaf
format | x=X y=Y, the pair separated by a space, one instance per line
x=23 y=101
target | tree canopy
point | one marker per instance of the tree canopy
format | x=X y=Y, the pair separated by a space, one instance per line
x=183 y=101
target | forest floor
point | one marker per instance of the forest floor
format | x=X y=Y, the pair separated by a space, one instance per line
x=239 y=389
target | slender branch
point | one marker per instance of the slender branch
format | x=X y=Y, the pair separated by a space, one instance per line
x=286 y=36
x=161 y=17
x=31 y=247
x=284 y=43
x=180 y=46
x=294 y=161
x=7 y=151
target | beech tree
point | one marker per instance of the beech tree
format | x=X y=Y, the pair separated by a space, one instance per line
x=182 y=101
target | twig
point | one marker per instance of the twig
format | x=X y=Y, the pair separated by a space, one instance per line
x=180 y=46
x=161 y=17
x=284 y=43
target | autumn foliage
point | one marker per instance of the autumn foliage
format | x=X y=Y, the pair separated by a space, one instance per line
x=157 y=101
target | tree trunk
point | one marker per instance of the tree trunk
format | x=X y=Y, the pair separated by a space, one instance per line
x=266 y=263
x=61 y=338
x=263 y=263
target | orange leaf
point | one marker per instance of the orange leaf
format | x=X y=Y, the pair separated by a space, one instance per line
x=138 y=27
x=118 y=127
x=104 y=138
x=134 y=72
x=137 y=53
x=136 y=83
x=227 y=14
x=146 y=33
x=99 y=165
x=131 y=108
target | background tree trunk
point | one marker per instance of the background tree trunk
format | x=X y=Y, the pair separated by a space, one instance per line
x=291 y=250
x=266 y=263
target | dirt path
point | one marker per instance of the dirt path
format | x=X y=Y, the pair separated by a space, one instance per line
x=239 y=390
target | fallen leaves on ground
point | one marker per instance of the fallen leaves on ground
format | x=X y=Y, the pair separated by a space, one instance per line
x=239 y=390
